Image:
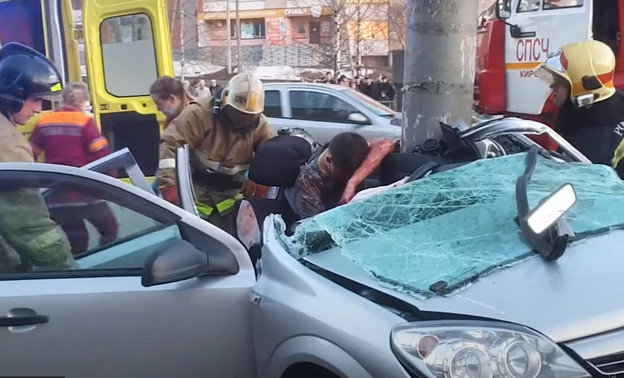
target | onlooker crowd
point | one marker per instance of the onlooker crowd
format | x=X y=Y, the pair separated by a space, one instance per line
x=201 y=90
x=380 y=89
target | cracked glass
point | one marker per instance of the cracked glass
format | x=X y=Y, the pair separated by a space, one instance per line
x=452 y=227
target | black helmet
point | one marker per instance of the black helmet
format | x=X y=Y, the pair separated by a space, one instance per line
x=26 y=73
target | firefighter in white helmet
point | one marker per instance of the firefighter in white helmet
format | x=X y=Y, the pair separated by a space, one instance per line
x=223 y=135
x=591 y=109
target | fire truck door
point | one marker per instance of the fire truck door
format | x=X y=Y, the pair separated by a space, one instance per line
x=543 y=26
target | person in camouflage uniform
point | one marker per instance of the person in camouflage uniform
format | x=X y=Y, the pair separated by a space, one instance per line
x=29 y=239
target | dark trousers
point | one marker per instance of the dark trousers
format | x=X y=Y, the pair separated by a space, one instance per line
x=72 y=221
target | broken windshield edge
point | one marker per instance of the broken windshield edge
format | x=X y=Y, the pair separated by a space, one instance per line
x=455 y=226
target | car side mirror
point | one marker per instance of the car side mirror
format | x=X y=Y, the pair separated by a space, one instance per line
x=553 y=207
x=177 y=261
x=503 y=9
x=358 y=118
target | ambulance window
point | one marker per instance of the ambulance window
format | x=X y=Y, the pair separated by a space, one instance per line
x=558 y=4
x=128 y=55
x=528 y=5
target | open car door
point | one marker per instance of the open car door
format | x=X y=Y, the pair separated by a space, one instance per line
x=128 y=46
x=124 y=160
x=185 y=180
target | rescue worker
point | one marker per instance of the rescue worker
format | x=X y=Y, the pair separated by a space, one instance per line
x=591 y=109
x=30 y=238
x=223 y=135
x=68 y=136
x=170 y=97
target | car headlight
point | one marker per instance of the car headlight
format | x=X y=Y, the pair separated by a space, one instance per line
x=478 y=349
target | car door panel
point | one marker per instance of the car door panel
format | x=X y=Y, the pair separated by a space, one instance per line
x=112 y=327
x=103 y=323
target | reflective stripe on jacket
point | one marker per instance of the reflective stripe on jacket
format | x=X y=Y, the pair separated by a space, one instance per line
x=221 y=207
x=68 y=137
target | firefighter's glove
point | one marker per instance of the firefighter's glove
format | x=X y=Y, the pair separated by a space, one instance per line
x=171 y=194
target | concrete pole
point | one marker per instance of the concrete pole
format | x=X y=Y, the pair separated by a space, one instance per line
x=229 y=38
x=238 y=40
x=439 y=67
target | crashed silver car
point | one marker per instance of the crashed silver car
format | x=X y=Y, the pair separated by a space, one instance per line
x=438 y=277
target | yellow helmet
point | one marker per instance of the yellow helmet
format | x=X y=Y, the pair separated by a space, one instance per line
x=245 y=93
x=588 y=67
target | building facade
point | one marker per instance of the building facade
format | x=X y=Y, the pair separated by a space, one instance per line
x=299 y=33
x=294 y=33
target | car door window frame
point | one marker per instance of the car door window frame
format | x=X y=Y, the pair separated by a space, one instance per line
x=536 y=7
x=281 y=103
x=547 y=5
x=327 y=93
x=129 y=200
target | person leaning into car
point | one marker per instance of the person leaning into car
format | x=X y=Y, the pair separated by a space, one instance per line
x=223 y=135
x=29 y=239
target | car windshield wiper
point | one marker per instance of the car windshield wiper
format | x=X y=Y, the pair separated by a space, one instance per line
x=544 y=227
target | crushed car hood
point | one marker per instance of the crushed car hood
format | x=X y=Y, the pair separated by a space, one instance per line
x=576 y=296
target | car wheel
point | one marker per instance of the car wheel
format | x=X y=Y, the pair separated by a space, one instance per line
x=308 y=370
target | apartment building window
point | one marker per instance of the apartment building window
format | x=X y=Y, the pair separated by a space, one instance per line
x=250 y=29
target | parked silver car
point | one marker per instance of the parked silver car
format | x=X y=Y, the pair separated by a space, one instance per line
x=324 y=110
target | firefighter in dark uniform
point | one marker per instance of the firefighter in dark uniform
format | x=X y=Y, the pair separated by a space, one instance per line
x=591 y=109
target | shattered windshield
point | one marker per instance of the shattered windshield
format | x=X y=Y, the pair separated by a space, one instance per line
x=457 y=225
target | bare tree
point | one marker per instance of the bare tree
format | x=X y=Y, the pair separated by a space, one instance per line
x=347 y=17
x=369 y=28
x=397 y=19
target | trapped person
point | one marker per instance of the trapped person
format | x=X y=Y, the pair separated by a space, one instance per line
x=322 y=181
x=30 y=239
x=223 y=135
x=68 y=136
x=591 y=115
x=170 y=97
